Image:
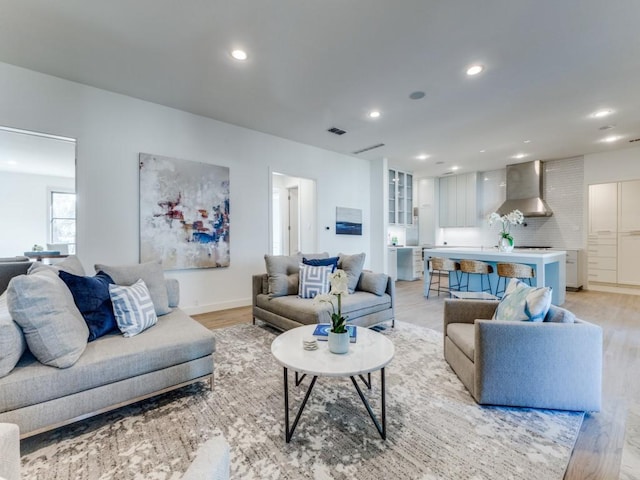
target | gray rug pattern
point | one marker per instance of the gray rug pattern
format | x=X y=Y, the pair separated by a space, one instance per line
x=435 y=429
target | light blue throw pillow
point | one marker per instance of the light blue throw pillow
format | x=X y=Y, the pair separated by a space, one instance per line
x=314 y=280
x=133 y=308
x=523 y=303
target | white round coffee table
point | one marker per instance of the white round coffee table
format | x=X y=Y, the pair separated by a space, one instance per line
x=371 y=352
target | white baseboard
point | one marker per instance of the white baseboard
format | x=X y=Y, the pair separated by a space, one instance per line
x=214 y=307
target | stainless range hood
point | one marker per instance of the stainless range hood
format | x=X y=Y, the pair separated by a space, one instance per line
x=524 y=190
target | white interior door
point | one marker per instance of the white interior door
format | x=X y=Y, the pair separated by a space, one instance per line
x=294 y=222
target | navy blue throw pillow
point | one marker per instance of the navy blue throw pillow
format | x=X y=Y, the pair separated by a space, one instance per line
x=322 y=262
x=91 y=296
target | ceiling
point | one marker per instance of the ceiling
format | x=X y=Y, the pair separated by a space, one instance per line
x=313 y=65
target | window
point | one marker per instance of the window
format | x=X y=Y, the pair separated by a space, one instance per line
x=63 y=218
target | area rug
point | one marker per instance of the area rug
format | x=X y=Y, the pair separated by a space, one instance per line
x=435 y=429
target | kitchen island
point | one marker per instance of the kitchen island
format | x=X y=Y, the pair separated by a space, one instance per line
x=549 y=266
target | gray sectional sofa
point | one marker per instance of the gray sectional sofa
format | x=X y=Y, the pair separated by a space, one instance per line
x=113 y=371
x=370 y=303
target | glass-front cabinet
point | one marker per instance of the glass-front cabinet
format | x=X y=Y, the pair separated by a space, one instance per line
x=400 y=198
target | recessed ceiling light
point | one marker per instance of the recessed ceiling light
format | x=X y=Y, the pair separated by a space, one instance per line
x=601 y=113
x=422 y=157
x=611 y=138
x=482 y=151
x=11 y=162
x=454 y=168
x=374 y=114
x=527 y=141
x=519 y=156
x=474 y=70
x=239 y=54
x=416 y=95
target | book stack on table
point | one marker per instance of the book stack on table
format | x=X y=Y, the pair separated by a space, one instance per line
x=322 y=332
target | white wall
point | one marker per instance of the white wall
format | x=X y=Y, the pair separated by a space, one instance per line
x=111 y=130
x=24 y=217
x=614 y=166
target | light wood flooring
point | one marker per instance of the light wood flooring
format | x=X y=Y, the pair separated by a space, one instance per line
x=599 y=448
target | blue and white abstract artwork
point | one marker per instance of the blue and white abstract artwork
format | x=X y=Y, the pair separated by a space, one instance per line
x=184 y=213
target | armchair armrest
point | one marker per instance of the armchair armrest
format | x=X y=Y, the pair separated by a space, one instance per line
x=467 y=311
x=539 y=364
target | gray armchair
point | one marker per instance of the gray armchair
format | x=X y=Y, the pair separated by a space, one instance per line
x=9 y=451
x=524 y=364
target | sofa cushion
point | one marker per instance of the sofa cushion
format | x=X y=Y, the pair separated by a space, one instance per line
x=52 y=325
x=352 y=264
x=175 y=339
x=307 y=312
x=12 y=342
x=314 y=280
x=71 y=264
x=283 y=274
x=375 y=283
x=320 y=262
x=523 y=303
x=559 y=315
x=133 y=308
x=150 y=272
x=91 y=296
x=463 y=336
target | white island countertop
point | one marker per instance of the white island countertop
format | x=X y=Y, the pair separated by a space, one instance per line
x=549 y=265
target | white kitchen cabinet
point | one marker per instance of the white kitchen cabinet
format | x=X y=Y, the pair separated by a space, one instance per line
x=400 y=198
x=629 y=258
x=629 y=206
x=574 y=269
x=602 y=257
x=603 y=208
x=458 y=200
x=392 y=263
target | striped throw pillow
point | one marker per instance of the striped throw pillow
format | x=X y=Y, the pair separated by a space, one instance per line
x=133 y=308
x=314 y=280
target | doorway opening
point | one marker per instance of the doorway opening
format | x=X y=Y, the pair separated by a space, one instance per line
x=293 y=214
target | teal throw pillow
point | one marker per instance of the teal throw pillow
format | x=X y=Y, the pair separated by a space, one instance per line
x=523 y=303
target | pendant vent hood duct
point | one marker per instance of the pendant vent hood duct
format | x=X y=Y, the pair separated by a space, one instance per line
x=524 y=190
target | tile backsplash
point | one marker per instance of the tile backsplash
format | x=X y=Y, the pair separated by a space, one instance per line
x=563 y=182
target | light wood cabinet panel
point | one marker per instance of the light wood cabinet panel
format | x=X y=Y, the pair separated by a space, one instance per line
x=629 y=258
x=629 y=207
x=603 y=208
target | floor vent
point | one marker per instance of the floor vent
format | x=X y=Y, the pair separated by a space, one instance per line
x=337 y=131
x=368 y=148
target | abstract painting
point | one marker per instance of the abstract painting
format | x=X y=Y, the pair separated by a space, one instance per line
x=184 y=213
x=348 y=221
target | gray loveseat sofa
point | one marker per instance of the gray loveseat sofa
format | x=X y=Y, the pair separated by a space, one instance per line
x=370 y=303
x=555 y=364
x=113 y=371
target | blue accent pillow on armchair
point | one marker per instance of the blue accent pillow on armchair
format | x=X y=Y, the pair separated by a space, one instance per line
x=91 y=296
x=322 y=262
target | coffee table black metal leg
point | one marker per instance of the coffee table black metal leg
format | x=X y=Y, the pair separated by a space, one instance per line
x=289 y=432
x=380 y=426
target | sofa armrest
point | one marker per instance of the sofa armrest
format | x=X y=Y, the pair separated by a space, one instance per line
x=391 y=291
x=9 y=451
x=467 y=311
x=539 y=364
x=173 y=291
x=259 y=282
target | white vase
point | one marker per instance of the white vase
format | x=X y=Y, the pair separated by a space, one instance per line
x=338 y=342
x=505 y=245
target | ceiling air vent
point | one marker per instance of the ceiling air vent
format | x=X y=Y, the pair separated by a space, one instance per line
x=337 y=131
x=368 y=148
x=634 y=140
